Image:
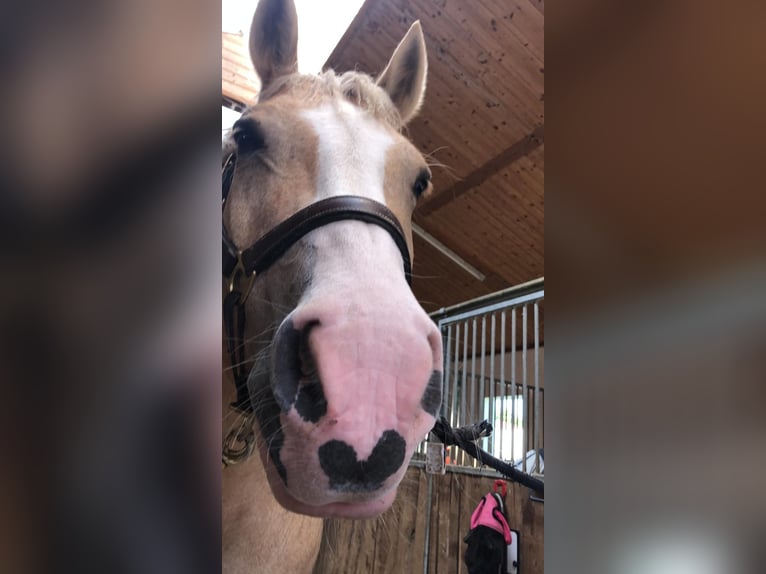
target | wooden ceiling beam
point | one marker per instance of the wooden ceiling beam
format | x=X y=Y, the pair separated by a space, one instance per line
x=519 y=149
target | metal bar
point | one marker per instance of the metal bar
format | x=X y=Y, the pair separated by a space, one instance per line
x=472 y=384
x=457 y=469
x=495 y=307
x=464 y=384
x=447 y=252
x=537 y=387
x=428 y=523
x=482 y=408
x=508 y=294
x=453 y=410
x=447 y=344
x=503 y=411
x=524 y=383
x=513 y=385
x=491 y=441
x=542 y=417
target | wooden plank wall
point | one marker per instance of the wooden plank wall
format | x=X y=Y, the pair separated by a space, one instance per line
x=394 y=542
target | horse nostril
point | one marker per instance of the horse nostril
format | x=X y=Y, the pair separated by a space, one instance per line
x=308 y=364
x=295 y=373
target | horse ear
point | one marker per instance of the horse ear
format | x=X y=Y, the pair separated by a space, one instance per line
x=274 y=40
x=404 y=78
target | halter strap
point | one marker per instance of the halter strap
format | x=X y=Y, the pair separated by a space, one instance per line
x=264 y=252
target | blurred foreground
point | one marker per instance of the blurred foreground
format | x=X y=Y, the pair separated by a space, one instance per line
x=656 y=288
x=110 y=299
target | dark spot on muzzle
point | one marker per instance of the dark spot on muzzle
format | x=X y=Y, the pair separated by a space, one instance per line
x=311 y=403
x=295 y=379
x=432 y=396
x=347 y=474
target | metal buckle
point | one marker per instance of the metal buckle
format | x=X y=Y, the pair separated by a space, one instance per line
x=240 y=271
x=239 y=443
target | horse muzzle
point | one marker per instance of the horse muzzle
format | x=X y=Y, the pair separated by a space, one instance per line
x=356 y=392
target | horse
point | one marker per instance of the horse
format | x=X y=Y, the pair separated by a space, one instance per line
x=343 y=365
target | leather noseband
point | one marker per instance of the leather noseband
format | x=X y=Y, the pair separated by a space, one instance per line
x=273 y=244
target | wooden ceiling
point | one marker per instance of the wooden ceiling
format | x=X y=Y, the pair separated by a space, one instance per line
x=483 y=121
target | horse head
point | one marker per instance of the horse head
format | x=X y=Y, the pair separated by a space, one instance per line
x=345 y=378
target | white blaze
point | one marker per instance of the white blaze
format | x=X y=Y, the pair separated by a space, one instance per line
x=352 y=151
x=352 y=161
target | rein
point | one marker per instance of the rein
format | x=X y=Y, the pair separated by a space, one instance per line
x=242 y=266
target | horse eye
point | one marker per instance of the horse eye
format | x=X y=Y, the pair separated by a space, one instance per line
x=248 y=135
x=421 y=183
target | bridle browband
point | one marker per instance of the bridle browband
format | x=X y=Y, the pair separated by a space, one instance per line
x=242 y=266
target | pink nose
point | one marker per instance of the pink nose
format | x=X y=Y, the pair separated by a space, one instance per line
x=361 y=385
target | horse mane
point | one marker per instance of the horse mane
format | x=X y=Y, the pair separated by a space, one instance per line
x=355 y=87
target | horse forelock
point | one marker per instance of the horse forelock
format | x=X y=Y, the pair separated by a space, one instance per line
x=355 y=87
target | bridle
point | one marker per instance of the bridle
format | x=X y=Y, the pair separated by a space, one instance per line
x=242 y=266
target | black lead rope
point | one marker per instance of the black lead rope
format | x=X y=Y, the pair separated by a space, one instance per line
x=234 y=321
x=463 y=437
